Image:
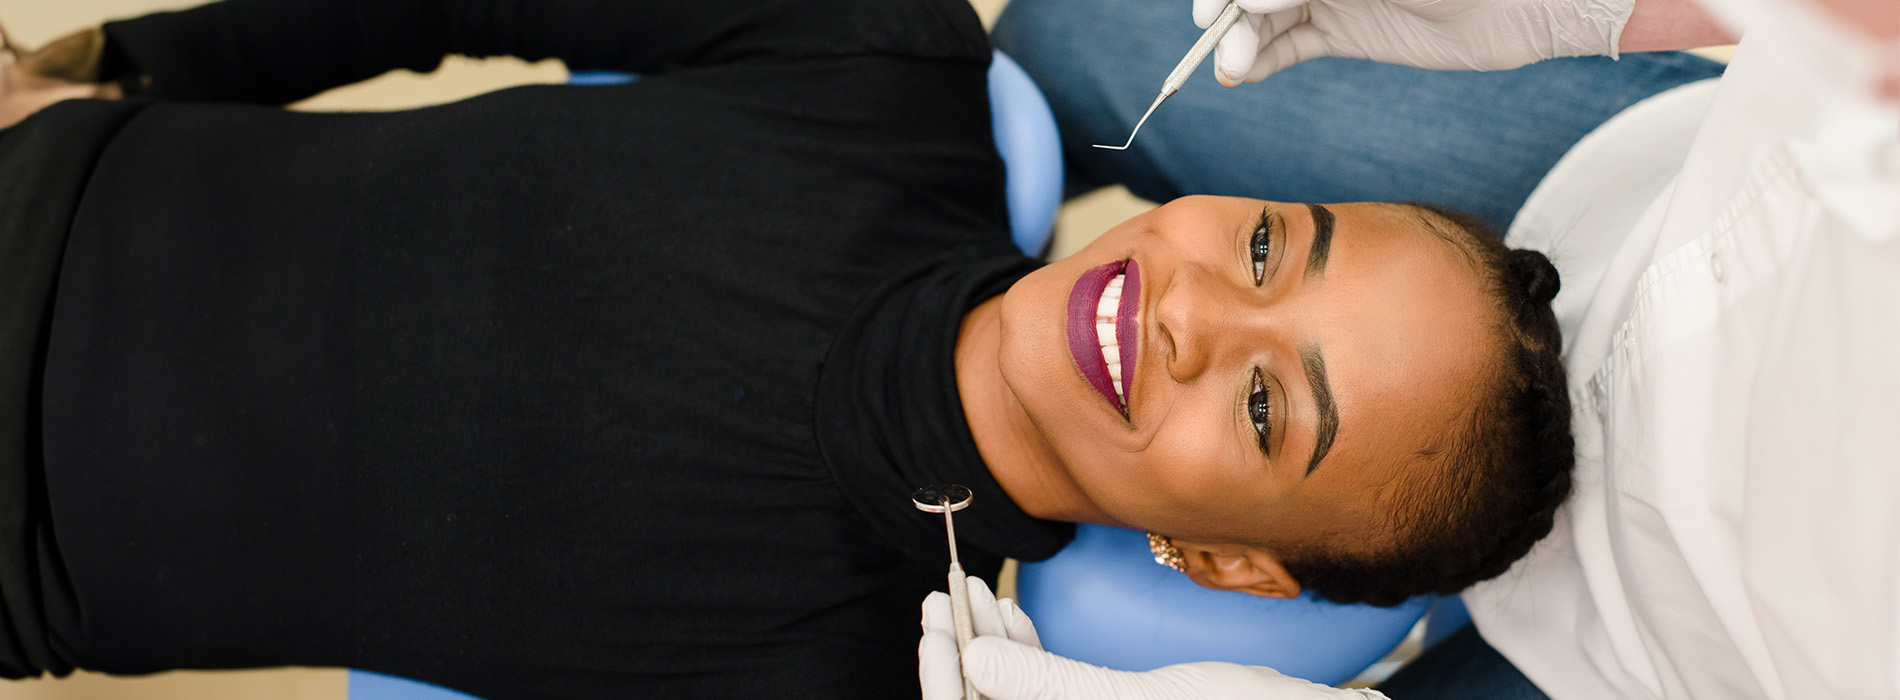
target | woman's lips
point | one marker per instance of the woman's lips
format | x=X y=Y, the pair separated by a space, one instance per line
x=1087 y=321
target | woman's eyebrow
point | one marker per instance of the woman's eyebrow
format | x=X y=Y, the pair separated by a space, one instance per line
x=1322 y=240
x=1328 y=428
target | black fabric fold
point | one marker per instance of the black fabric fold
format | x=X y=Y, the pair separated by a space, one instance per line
x=45 y=163
x=891 y=419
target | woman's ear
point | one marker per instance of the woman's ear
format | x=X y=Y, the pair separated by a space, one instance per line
x=1234 y=567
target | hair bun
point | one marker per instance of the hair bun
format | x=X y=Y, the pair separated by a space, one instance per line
x=1533 y=273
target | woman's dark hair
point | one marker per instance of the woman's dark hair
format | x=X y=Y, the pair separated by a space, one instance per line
x=1482 y=500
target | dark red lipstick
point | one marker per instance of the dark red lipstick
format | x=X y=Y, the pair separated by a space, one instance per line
x=1084 y=319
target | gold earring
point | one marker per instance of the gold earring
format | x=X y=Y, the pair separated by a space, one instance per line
x=1166 y=554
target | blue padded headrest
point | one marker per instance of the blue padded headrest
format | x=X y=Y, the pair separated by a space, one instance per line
x=1032 y=153
x=1104 y=600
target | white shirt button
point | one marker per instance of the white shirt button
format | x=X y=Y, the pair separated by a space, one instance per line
x=1716 y=269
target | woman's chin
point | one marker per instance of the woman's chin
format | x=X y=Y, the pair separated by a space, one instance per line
x=1034 y=356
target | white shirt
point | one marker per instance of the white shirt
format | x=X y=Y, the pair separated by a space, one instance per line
x=1732 y=335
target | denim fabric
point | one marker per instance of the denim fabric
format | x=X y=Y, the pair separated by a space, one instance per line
x=1462 y=667
x=1329 y=130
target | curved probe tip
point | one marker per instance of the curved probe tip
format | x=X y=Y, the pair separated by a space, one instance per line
x=1165 y=92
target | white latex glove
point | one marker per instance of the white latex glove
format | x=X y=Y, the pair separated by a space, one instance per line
x=937 y=651
x=1006 y=662
x=1436 y=34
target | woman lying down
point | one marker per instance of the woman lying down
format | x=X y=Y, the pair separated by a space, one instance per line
x=607 y=392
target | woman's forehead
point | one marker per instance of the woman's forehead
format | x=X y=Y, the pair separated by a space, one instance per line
x=1409 y=341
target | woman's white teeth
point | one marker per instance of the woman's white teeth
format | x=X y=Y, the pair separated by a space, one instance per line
x=1105 y=311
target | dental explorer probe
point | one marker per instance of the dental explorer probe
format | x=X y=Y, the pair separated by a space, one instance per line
x=946 y=498
x=1186 y=67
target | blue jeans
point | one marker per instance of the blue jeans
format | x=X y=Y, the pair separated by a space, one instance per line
x=1329 y=130
x=1461 y=667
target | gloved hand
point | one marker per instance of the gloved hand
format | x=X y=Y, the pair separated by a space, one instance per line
x=1436 y=34
x=1006 y=662
x=937 y=651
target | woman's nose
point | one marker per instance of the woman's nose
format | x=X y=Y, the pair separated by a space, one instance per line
x=1202 y=318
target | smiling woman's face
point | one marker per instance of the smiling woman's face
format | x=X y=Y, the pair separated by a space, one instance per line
x=1281 y=364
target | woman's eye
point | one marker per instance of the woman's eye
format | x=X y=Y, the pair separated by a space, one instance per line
x=1260 y=409
x=1259 y=247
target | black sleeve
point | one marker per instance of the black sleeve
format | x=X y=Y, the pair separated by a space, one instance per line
x=280 y=51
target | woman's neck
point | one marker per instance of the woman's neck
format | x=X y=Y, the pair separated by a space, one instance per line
x=1017 y=454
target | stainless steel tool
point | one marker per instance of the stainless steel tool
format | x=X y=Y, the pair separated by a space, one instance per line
x=946 y=499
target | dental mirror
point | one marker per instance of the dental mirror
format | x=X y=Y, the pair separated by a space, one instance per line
x=947 y=499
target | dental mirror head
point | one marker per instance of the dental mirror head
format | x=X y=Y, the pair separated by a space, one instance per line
x=939 y=498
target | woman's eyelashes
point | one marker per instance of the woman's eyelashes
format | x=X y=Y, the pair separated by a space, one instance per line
x=1260 y=247
x=1259 y=397
x=1260 y=410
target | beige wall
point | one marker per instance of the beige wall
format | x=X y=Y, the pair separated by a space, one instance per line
x=278 y=684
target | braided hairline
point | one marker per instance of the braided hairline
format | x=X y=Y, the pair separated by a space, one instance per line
x=1539 y=401
x=1542 y=402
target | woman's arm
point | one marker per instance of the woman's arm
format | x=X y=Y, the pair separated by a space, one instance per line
x=1668 y=25
x=33 y=80
x=279 y=51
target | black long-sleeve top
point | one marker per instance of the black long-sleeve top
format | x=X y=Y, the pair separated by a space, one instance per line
x=556 y=392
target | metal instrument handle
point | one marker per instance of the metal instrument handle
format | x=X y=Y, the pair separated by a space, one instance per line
x=1202 y=47
x=960 y=616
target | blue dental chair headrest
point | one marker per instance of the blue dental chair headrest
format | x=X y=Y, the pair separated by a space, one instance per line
x=1104 y=600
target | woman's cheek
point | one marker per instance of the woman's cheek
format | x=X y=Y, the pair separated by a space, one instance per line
x=1218 y=462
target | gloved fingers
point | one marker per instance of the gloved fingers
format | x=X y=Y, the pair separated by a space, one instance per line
x=1017 y=623
x=988 y=618
x=1275 y=24
x=1205 y=11
x=1267 y=7
x=1300 y=42
x=1005 y=670
x=937 y=614
x=1235 y=55
x=937 y=670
